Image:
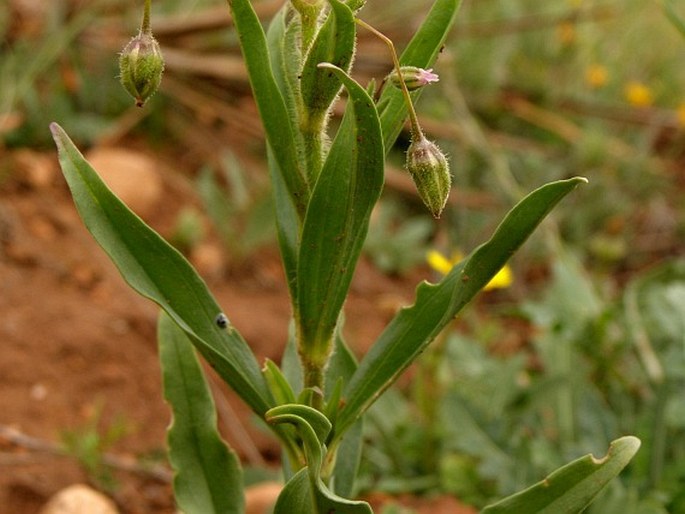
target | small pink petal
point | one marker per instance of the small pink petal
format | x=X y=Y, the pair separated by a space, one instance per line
x=427 y=76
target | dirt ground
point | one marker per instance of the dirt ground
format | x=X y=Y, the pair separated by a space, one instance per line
x=76 y=340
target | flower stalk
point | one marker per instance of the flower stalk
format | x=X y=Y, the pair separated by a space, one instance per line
x=413 y=118
x=145 y=25
x=426 y=163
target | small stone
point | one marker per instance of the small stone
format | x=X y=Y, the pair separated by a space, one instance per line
x=43 y=229
x=36 y=169
x=79 y=499
x=38 y=392
x=208 y=259
x=131 y=175
x=260 y=498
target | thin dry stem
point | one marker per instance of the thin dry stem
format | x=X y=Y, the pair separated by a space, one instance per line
x=416 y=131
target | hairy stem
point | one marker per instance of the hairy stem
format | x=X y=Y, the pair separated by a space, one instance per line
x=313 y=371
x=145 y=26
x=312 y=130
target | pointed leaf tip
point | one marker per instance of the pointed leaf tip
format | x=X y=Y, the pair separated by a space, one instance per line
x=57 y=132
x=571 y=488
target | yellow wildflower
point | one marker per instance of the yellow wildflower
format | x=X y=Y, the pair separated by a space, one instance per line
x=638 y=94
x=440 y=263
x=596 y=76
x=436 y=260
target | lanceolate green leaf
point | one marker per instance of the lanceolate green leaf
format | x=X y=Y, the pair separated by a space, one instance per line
x=337 y=218
x=414 y=328
x=287 y=224
x=570 y=489
x=208 y=478
x=272 y=107
x=157 y=271
x=285 y=54
x=283 y=40
x=422 y=51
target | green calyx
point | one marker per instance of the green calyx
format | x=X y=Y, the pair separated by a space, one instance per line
x=430 y=171
x=413 y=77
x=141 y=66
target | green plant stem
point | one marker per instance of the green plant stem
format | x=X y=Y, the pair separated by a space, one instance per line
x=416 y=131
x=309 y=15
x=145 y=26
x=313 y=375
x=312 y=129
x=309 y=28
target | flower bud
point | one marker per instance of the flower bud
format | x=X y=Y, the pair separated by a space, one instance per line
x=429 y=168
x=355 y=5
x=414 y=78
x=141 y=66
x=303 y=5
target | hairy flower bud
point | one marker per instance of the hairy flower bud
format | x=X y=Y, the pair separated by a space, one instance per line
x=355 y=5
x=303 y=5
x=141 y=66
x=429 y=168
x=414 y=78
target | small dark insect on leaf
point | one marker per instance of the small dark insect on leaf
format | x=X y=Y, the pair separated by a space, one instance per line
x=221 y=320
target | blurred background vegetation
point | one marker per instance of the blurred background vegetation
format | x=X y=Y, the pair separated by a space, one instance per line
x=588 y=341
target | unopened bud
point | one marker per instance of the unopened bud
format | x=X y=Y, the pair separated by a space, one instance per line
x=414 y=78
x=429 y=169
x=355 y=5
x=301 y=5
x=141 y=65
x=308 y=9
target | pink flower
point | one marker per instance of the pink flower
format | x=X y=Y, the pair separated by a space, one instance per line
x=427 y=76
x=413 y=77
